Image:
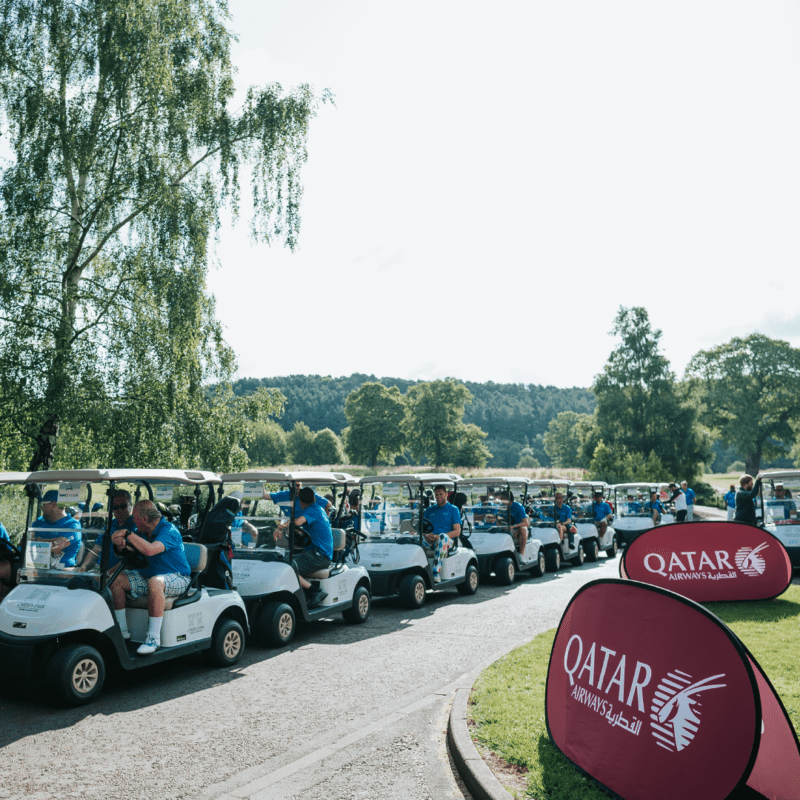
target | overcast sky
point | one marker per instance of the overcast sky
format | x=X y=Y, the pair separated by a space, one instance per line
x=497 y=178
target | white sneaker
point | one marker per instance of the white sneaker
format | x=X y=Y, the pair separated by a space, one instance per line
x=437 y=578
x=126 y=635
x=151 y=644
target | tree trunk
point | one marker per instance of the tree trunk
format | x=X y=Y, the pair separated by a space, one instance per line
x=752 y=463
x=45 y=445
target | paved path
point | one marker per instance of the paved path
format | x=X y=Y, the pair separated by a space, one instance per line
x=345 y=712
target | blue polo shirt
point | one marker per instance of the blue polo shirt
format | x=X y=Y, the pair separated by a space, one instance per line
x=562 y=514
x=283 y=498
x=730 y=499
x=600 y=510
x=516 y=513
x=4 y=533
x=442 y=517
x=655 y=505
x=788 y=506
x=173 y=559
x=319 y=527
x=690 y=495
x=67 y=527
x=113 y=558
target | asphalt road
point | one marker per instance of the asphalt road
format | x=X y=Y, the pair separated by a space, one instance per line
x=344 y=712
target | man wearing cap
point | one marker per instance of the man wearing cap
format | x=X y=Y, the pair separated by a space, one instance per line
x=319 y=553
x=167 y=573
x=690 y=496
x=60 y=529
x=517 y=520
x=123 y=519
x=679 y=499
x=782 y=501
x=601 y=513
x=730 y=502
x=563 y=517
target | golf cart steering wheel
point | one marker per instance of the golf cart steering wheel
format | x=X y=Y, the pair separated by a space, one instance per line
x=427 y=526
x=133 y=558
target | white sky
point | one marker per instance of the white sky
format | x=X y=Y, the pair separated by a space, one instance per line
x=497 y=178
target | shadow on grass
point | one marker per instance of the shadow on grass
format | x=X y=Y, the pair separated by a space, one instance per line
x=755 y=611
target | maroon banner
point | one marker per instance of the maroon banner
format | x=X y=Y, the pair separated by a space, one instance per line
x=708 y=561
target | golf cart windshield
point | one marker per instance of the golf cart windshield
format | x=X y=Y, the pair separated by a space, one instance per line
x=542 y=499
x=390 y=508
x=632 y=499
x=781 y=493
x=486 y=502
x=582 y=499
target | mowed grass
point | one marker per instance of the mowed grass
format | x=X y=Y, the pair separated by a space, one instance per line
x=507 y=702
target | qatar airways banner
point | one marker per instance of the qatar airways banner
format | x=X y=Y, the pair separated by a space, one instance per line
x=655 y=698
x=710 y=561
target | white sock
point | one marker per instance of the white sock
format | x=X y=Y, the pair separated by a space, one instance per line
x=119 y=613
x=154 y=628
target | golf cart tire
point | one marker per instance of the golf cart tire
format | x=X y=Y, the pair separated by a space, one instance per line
x=362 y=605
x=412 y=591
x=471 y=580
x=612 y=551
x=76 y=674
x=277 y=624
x=506 y=570
x=541 y=565
x=227 y=643
x=552 y=559
x=591 y=549
x=578 y=559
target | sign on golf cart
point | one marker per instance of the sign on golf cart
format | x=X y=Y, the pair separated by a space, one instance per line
x=69 y=492
x=655 y=698
x=709 y=561
x=252 y=490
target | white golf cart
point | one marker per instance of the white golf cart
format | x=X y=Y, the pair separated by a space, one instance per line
x=57 y=623
x=541 y=502
x=582 y=502
x=632 y=512
x=398 y=558
x=262 y=570
x=485 y=520
x=780 y=495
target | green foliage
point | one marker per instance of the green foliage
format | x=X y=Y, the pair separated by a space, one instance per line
x=470 y=450
x=527 y=460
x=737 y=466
x=374 y=413
x=565 y=438
x=433 y=423
x=268 y=446
x=123 y=153
x=750 y=388
x=300 y=444
x=641 y=412
x=327 y=448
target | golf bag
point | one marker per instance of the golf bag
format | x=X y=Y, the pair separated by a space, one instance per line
x=216 y=536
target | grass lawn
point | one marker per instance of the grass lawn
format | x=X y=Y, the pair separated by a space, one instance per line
x=508 y=699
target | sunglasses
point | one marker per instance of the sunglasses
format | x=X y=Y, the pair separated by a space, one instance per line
x=117 y=508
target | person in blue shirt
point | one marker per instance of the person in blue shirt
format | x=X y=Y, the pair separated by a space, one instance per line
x=60 y=529
x=167 y=573
x=690 y=496
x=563 y=517
x=730 y=502
x=518 y=521
x=7 y=555
x=446 y=521
x=780 y=500
x=121 y=506
x=319 y=553
x=601 y=513
x=633 y=506
x=282 y=499
x=655 y=508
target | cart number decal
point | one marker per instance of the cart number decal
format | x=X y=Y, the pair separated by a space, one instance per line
x=196 y=622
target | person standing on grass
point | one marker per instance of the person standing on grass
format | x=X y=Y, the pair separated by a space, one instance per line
x=690 y=496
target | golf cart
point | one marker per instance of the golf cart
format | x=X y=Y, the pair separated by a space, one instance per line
x=631 y=512
x=57 y=623
x=485 y=519
x=262 y=570
x=398 y=557
x=780 y=494
x=582 y=502
x=540 y=504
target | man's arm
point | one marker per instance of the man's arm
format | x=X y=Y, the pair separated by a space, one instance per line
x=145 y=547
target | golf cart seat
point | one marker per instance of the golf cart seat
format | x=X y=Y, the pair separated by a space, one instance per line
x=339 y=541
x=197 y=556
x=407 y=526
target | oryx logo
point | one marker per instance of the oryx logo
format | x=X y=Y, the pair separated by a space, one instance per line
x=749 y=560
x=675 y=712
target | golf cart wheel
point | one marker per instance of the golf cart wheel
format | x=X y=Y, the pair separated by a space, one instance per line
x=412 y=591
x=614 y=549
x=76 y=674
x=470 y=585
x=578 y=559
x=227 y=643
x=552 y=559
x=541 y=565
x=362 y=604
x=506 y=570
x=277 y=624
x=591 y=549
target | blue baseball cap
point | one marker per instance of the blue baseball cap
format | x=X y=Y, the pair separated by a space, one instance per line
x=50 y=496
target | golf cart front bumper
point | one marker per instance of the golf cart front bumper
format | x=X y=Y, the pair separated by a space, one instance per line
x=24 y=659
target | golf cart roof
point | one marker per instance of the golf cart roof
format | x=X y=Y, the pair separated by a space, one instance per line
x=549 y=482
x=424 y=477
x=494 y=480
x=185 y=476
x=638 y=486
x=780 y=474
x=13 y=477
x=308 y=478
x=590 y=485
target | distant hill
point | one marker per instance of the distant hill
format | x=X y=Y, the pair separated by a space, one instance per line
x=513 y=415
